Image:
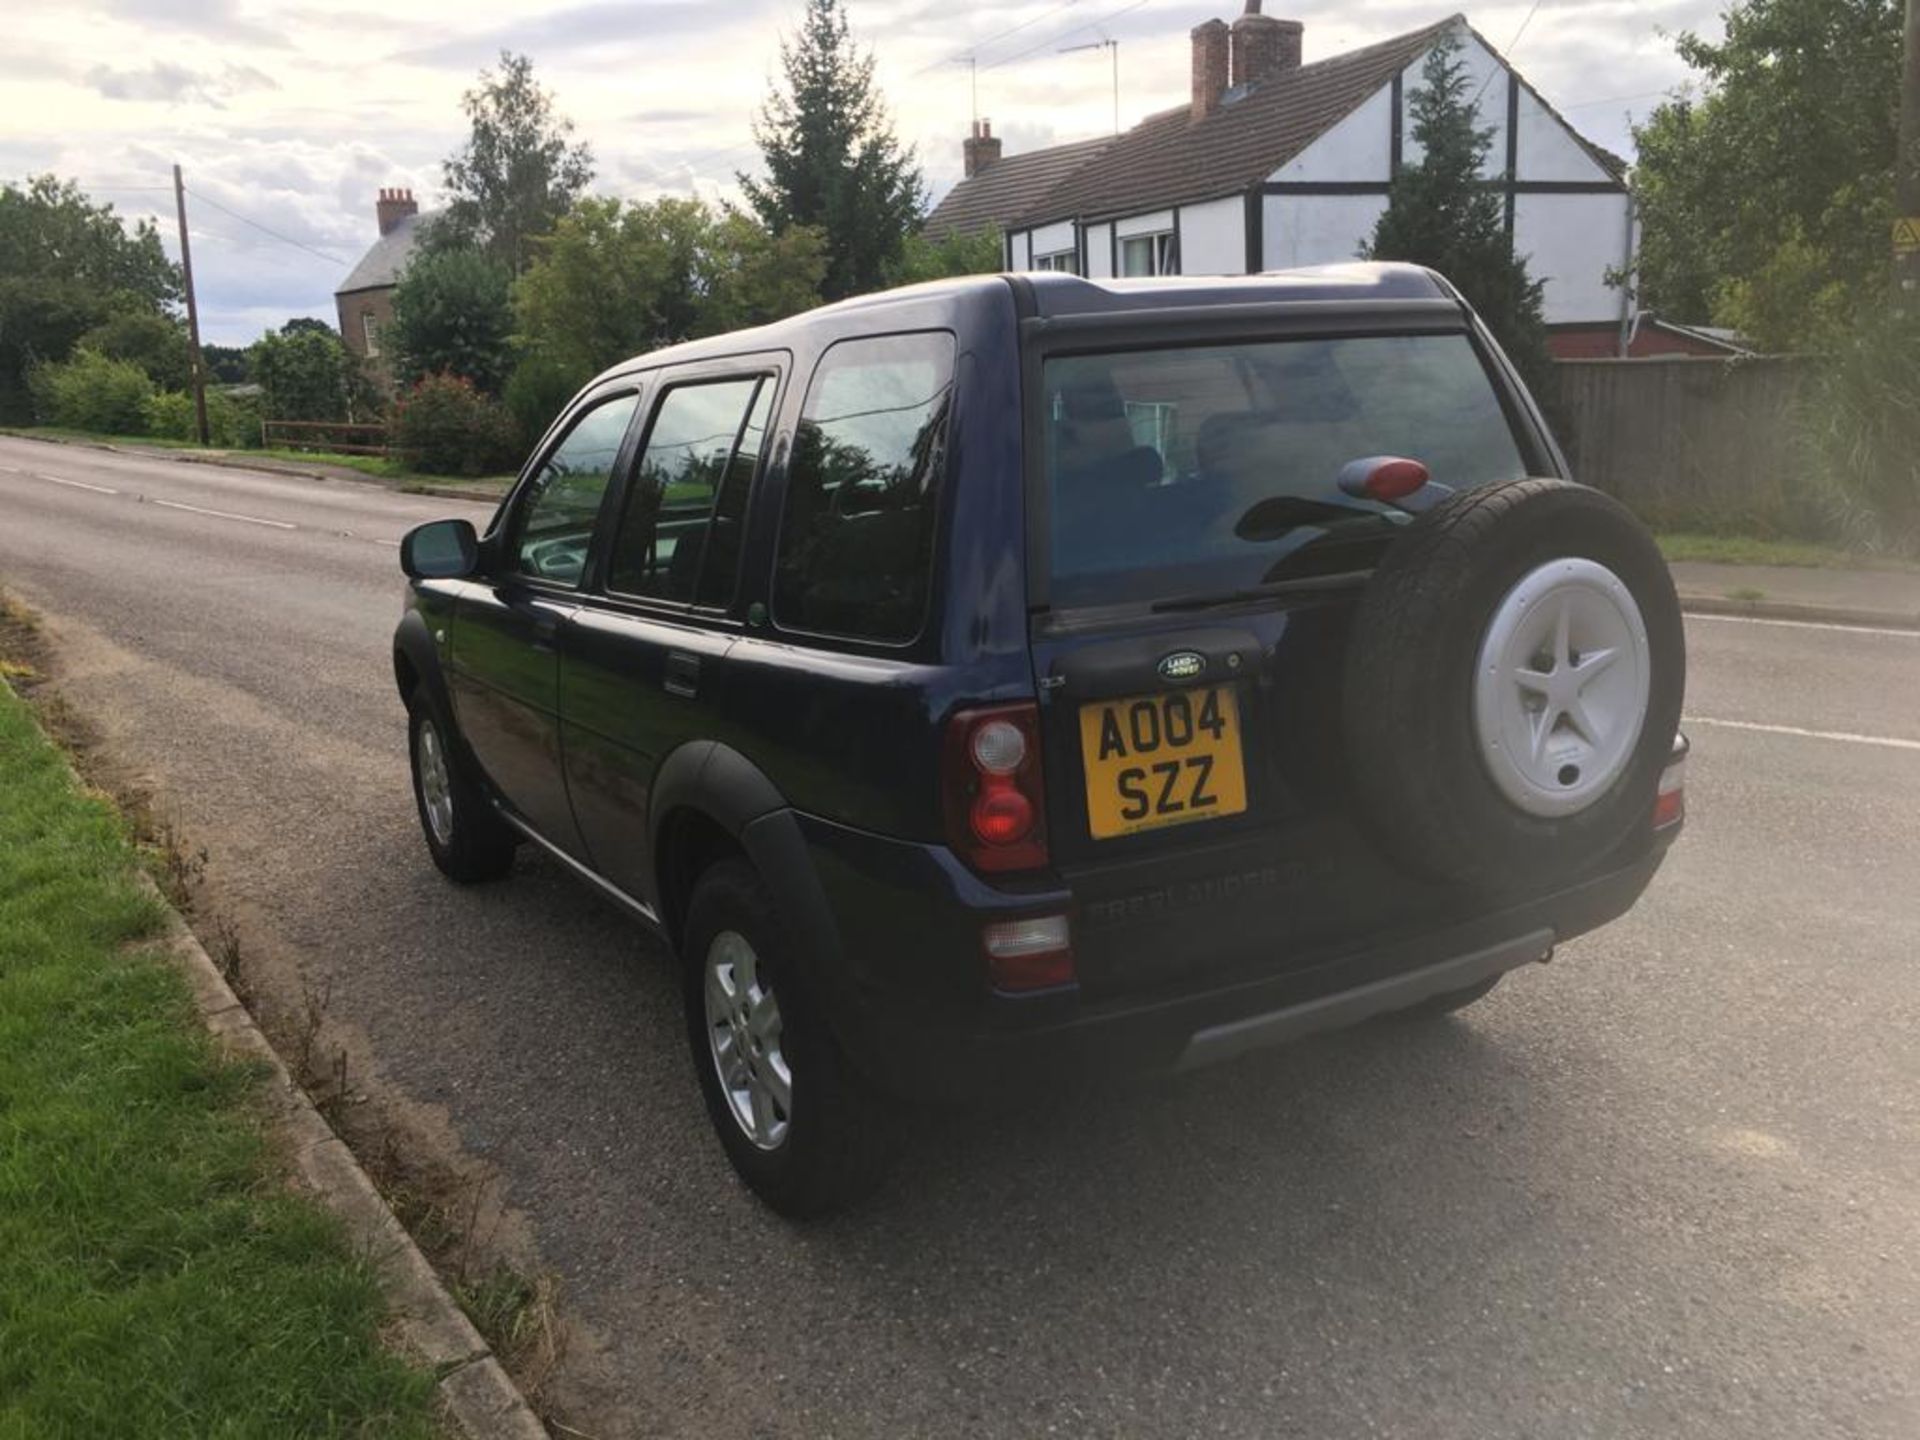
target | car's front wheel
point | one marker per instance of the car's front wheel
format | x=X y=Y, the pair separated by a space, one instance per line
x=465 y=835
x=800 y=1127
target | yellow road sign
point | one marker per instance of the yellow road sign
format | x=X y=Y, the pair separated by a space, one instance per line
x=1906 y=235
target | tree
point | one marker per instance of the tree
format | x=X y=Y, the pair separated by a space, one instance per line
x=1765 y=204
x=977 y=252
x=68 y=265
x=307 y=374
x=831 y=157
x=1443 y=214
x=615 y=280
x=452 y=315
x=154 y=341
x=517 y=174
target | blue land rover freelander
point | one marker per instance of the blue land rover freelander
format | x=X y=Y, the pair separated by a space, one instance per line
x=1027 y=674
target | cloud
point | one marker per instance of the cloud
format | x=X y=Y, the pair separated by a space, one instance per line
x=610 y=32
x=215 y=19
x=168 y=83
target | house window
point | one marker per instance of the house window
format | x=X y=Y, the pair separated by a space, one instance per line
x=370 y=328
x=1147 y=254
x=1064 y=261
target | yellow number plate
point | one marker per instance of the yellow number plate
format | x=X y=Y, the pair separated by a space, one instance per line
x=1154 y=760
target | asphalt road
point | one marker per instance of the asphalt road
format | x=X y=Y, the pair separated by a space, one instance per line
x=1669 y=1185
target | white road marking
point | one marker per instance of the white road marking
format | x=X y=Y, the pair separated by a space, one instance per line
x=226 y=515
x=1805 y=625
x=76 y=484
x=1845 y=736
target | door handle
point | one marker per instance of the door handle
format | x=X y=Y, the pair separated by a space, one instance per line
x=544 y=629
x=682 y=675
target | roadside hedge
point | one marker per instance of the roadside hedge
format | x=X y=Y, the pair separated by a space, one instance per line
x=91 y=392
x=444 y=426
x=232 y=423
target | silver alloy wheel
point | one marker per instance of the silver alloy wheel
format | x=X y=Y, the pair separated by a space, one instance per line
x=743 y=1033
x=1561 y=693
x=436 y=782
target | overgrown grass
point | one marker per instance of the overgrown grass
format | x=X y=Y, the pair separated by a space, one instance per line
x=1748 y=550
x=157 y=1277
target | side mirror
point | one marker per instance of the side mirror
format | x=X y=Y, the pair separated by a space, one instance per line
x=440 y=550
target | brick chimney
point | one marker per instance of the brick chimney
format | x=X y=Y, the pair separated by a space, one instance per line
x=1263 y=46
x=1210 y=46
x=393 y=207
x=981 y=148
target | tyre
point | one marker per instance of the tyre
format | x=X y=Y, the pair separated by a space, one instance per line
x=1513 y=685
x=465 y=834
x=800 y=1127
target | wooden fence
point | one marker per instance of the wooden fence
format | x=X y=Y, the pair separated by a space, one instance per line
x=1689 y=442
x=338 y=437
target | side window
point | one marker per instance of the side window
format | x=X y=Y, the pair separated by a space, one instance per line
x=863 y=487
x=558 y=509
x=686 y=467
x=721 y=571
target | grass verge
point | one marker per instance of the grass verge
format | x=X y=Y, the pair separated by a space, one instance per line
x=1747 y=550
x=157 y=1275
x=373 y=466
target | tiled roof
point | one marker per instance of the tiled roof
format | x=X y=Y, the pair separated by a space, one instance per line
x=386 y=258
x=1168 y=159
x=1008 y=188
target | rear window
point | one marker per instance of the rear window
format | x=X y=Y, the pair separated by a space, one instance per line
x=1198 y=469
x=863 y=489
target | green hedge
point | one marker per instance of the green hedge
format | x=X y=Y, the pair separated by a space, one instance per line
x=444 y=426
x=91 y=392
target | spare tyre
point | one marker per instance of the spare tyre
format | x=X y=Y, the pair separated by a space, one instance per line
x=1513 y=684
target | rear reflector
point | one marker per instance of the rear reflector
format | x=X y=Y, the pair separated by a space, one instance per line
x=1031 y=954
x=1670 y=802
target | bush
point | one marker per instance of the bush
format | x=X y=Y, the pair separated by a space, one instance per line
x=91 y=392
x=443 y=426
x=1861 y=428
x=538 y=390
x=233 y=422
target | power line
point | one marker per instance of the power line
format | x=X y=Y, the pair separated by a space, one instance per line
x=266 y=230
x=974 y=49
x=1070 y=30
x=1508 y=53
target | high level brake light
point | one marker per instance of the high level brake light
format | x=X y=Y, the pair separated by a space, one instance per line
x=994 y=797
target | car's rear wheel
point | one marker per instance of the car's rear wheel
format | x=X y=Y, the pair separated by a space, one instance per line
x=465 y=835
x=802 y=1130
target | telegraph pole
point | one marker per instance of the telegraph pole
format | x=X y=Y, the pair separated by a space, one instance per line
x=196 y=367
x=1906 y=209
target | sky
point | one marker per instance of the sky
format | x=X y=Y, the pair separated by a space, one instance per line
x=289 y=117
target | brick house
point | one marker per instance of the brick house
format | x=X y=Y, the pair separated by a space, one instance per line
x=364 y=301
x=1274 y=163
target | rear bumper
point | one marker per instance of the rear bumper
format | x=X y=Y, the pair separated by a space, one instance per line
x=909 y=1004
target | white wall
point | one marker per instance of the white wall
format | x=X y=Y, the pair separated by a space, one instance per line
x=1546 y=150
x=1213 y=237
x=1099 y=252
x=1360 y=147
x=1569 y=241
x=1145 y=224
x=1020 y=248
x=1050 y=239
x=1317 y=229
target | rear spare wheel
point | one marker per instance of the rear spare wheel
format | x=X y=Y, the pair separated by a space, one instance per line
x=1513 y=683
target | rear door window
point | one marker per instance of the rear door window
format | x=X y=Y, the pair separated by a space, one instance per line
x=689 y=493
x=1202 y=468
x=863 y=489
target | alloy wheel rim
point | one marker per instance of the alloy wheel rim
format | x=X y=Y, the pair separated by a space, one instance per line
x=1560 y=696
x=436 y=784
x=744 y=1038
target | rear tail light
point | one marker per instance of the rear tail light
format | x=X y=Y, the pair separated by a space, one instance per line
x=1670 y=801
x=994 y=799
x=1030 y=954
